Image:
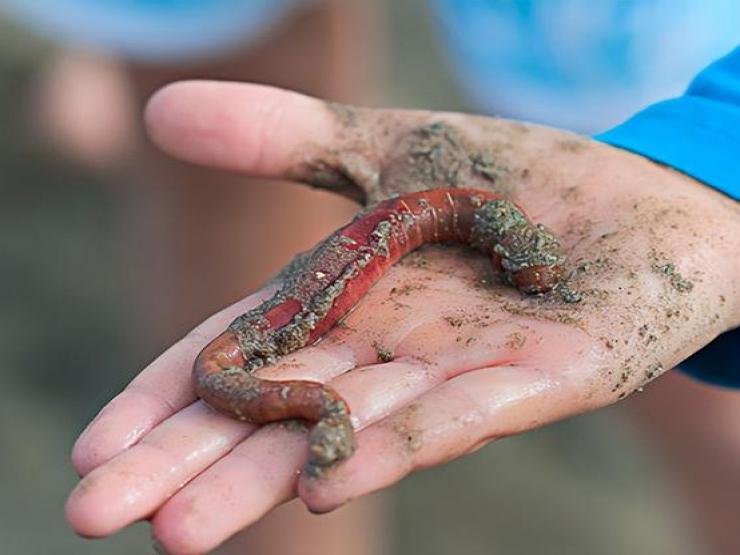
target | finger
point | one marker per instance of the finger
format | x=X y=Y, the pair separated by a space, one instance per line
x=140 y=479
x=449 y=421
x=235 y=492
x=241 y=127
x=261 y=472
x=159 y=391
x=132 y=485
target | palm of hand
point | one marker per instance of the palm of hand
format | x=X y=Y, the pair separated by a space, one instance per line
x=472 y=360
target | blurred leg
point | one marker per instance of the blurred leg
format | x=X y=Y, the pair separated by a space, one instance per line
x=697 y=428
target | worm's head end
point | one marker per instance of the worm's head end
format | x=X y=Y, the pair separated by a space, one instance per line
x=536 y=279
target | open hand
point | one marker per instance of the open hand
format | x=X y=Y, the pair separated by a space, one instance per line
x=651 y=255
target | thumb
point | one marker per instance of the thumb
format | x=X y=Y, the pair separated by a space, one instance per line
x=263 y=131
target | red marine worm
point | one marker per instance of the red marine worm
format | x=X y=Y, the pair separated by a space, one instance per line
x=330 y=280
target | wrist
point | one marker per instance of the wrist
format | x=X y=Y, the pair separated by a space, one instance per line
x=721 y=240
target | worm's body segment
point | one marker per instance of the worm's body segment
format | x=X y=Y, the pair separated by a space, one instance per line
x=334 y=277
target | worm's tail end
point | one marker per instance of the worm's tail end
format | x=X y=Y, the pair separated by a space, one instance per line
x=221 y=381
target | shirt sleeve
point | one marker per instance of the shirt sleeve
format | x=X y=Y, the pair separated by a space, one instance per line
x=699 y=135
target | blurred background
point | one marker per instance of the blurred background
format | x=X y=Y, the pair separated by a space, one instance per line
x=102 y=260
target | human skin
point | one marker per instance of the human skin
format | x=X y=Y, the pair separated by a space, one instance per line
x=652 y=252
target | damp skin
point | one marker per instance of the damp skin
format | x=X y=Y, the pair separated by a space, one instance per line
x=321 y=288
